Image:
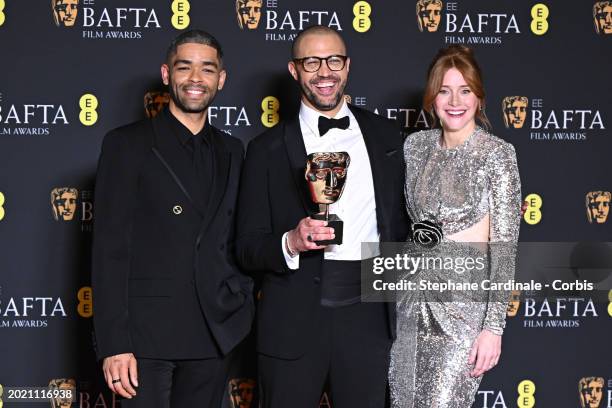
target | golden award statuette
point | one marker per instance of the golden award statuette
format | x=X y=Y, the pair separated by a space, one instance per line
x=326 y=174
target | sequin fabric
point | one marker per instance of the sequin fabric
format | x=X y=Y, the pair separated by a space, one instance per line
x=456 y=188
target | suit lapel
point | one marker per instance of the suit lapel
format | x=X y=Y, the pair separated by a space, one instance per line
x=162 y=130
x=222 y=165
x=221 y=170
x=296 y=152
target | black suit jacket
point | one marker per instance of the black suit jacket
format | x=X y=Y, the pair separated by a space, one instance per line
x=165 y=283
x=274 y=197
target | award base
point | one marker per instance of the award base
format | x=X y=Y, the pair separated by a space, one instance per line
x=333 y=221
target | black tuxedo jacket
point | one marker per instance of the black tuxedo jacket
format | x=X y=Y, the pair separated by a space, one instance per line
x=274 y=197
x=165 y=283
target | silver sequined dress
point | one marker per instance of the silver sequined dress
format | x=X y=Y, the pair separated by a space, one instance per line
x=455 y=187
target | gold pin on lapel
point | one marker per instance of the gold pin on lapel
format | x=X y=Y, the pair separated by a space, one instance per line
x=177 y=209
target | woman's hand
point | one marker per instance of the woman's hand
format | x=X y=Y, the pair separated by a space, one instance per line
x=485 y=353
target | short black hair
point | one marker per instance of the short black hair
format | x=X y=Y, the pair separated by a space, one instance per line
x=314 y=29
x=194 y=37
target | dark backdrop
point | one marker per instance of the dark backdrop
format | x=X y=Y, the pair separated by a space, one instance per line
x=556 y=54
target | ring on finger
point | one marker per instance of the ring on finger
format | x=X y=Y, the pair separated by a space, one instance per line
x=115 y=381
x=309 y=238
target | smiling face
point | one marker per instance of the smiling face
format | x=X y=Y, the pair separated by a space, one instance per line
x=322 y=90
x=456 y=104
x=194 y=75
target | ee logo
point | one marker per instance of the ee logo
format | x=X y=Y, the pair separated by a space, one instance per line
x=539 y=22
x=526 y=399
x=270 y=106
x=362 y=11
x=180 y=14
x=2 y=15
x=2 y=213
x=85 y=307
x=88 y=104
x=533 y=214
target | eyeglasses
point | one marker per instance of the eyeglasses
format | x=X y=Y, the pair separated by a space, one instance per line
x=313 y=64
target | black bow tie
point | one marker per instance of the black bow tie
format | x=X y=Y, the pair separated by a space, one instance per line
x=325 y=124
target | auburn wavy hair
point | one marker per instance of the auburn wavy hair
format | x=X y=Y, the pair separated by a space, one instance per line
x=461 y=58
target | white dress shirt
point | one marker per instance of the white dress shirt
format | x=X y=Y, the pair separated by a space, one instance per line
x=356 y=206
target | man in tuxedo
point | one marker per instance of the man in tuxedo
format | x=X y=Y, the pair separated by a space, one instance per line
x=170 y=303
x=312 y=325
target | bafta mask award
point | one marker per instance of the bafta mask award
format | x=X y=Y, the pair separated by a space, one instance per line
x=326 y=175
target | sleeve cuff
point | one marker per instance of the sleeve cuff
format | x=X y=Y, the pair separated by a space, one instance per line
x=293 y=263
x=495 y=330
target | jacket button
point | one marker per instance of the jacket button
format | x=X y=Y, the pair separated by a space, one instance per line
x=259 y=295
x=229 y=212
x=317 y=280
x=222 y=247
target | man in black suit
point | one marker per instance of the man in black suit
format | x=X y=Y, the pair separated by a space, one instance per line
x=170 y=303
x=312 y=325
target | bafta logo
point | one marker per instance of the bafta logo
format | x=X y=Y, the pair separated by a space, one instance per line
x=429 y=14
x=65 y=12
x=64 y=203
x=514 y=304
x=248 y=13
x=598 y=206
x=591 y=391
x=154 y=102
x=515 y=111
x=67 y=392
x=241 y=392
x=602 y=16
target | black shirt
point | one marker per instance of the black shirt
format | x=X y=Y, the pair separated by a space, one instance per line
x=196 y=158
x=194 y=166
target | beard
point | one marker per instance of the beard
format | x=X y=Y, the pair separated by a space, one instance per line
x=190 y=107
x=315 y=100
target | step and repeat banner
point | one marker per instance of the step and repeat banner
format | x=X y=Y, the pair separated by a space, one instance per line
x=71 y=70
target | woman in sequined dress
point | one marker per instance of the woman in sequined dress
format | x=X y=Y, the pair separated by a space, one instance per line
x=464 y=181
